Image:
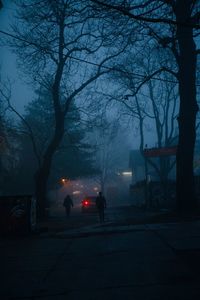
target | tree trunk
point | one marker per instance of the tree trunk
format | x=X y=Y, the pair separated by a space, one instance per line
x=42 y=175
x=185 y=188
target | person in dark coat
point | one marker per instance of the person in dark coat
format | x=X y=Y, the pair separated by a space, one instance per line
x=68 y=203
x=101 y=205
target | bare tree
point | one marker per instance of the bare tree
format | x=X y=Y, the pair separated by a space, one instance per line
x=56 y=41
x=174 y=25
x=150 y=102
x=9 y=146
x=163 y=98
x=106 y=159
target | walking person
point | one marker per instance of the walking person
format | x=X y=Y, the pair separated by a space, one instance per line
x=101 y=205
x=68 y=203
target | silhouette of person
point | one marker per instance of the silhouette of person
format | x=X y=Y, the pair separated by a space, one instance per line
x=68 y=203
x=101 y=205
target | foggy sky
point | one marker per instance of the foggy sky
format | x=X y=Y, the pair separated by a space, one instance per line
x=21 y=92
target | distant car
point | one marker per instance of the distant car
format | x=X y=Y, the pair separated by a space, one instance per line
x=89 y=204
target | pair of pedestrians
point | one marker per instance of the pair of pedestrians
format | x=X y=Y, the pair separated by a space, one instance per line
x=100 y=204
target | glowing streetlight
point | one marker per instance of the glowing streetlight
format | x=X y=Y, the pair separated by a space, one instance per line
x=65 y=180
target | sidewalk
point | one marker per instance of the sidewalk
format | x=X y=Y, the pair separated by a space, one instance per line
x=110 y=261
x=179 y=233
x=57 y=223
x=179 y=236
x=137 y=265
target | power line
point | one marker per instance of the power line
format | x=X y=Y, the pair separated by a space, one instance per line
x=89 y=62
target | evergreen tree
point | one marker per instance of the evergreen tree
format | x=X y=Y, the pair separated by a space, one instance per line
x=73 y=158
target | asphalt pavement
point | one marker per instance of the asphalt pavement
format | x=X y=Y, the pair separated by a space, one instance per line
x=119 y=259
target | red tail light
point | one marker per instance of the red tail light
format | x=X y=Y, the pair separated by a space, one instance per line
x=86 y=202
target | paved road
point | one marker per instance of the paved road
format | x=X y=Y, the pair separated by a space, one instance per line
x=126 y=214
x=148 y=262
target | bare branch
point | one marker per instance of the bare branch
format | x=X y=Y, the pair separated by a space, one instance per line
x=161 y=20
x=31 y=135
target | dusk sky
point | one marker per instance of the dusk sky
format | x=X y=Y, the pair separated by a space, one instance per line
x=22 y=93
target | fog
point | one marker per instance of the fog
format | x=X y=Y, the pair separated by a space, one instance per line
x=75 y=102
x=22 y=92
x=99 y=149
